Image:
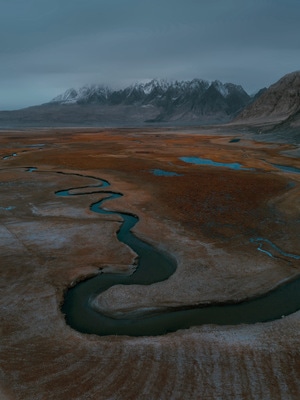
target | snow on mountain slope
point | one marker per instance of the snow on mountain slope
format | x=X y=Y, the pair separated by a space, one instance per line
x=68 y=97
x=86 y=94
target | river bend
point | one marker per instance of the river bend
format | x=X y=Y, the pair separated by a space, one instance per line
x=155 y=266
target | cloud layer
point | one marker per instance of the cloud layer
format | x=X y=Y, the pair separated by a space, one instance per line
x=47 y=47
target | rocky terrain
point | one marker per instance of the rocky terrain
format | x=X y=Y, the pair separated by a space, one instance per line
x=279 y=103
x=275 y=114
x=204 y=216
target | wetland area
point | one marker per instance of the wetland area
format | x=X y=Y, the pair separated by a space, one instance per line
x=141 y=230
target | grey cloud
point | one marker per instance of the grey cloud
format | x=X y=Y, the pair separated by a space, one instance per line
x=62 y=43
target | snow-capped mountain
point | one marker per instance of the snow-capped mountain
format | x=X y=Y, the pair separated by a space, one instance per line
x=86 y=94
x=69 y=97
x=174 y=100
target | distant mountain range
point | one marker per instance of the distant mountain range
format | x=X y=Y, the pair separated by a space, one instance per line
x=171 y=101
x=195 y=102
x=155 y=102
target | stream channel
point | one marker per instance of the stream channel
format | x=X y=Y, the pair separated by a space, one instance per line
x=155 y=266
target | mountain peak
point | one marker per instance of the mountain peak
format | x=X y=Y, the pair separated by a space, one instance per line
x=86 y=94
x=68 y=97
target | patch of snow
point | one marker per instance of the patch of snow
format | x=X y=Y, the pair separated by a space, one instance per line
x=221 y=88
x=69 y=96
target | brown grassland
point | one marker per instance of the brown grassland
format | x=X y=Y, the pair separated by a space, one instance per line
x=205 y=217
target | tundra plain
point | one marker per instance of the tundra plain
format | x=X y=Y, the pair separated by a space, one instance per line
x=204 y=216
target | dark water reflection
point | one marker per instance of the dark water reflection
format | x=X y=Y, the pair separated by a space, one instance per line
x=155 y=266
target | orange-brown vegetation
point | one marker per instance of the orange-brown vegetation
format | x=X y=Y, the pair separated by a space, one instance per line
x=205 y=217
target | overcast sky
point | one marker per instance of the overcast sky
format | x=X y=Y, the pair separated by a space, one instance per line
x=48 y=46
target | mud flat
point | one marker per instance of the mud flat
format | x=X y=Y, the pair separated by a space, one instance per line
x=203 y=216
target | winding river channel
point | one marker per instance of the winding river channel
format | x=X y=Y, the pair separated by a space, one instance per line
x=155 y=266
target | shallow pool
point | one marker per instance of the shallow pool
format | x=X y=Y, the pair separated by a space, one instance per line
x=207 y=161
x=161 y=172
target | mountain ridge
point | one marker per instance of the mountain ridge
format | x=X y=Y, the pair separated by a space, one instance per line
x=173 y=99
x=162 y=102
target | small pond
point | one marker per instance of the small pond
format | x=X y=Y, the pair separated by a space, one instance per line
x=207 y=161
x=161 y=172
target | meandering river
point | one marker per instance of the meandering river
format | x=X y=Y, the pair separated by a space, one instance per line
x=155 y=266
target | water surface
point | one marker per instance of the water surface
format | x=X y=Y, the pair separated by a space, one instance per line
x=155 y=266
x=161 y=172
x=209 y=162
